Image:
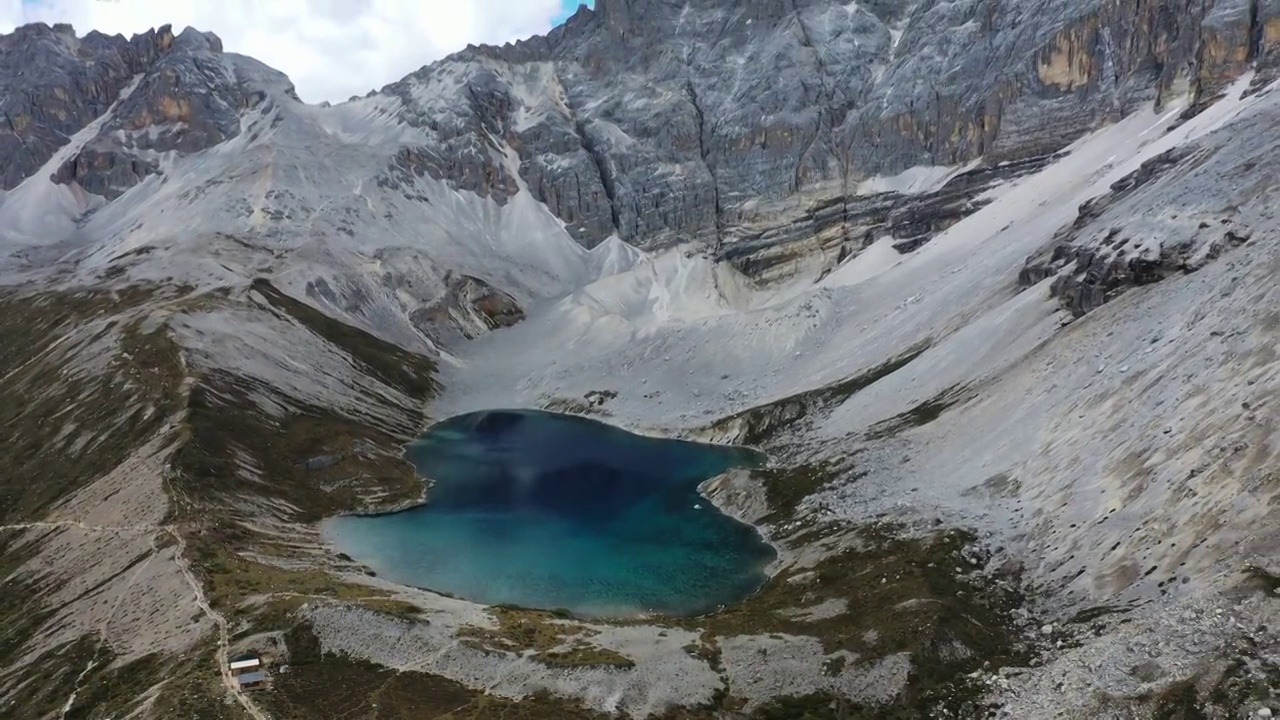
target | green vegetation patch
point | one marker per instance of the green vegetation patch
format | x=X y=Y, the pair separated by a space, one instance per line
x=62 y=427
x=250 y=449
x=544 y=637
x=707 y=649
x=109 y=692
x=83 y=667
x=584 y=654
x=193 y=690
x=903 y=594
x=1242 y=683
x=409 y=372
x=1263 y=579
x=787 y=487
x=87 y=378
x=317 y=461
x=919 y=415
x=44 y=686
x=21 y=617
x=231 y=579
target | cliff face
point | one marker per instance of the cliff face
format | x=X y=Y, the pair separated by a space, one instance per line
x=219 y=307
x=52 y=84
x=175 y=93
x=755 y=128
x=749 y=126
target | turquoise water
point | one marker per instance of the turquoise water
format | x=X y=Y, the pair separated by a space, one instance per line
x=553 y=511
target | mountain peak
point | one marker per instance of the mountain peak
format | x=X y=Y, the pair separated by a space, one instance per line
x=193 y=40
x=992 y=283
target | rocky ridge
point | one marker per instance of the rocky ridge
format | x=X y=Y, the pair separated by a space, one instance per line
x=187 y=101
x=268 y=309
x=752 y=128
x=749 y=126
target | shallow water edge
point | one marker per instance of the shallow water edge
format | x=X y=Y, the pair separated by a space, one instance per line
x=660 y=469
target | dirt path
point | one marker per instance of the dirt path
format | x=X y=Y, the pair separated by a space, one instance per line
x=104 y=639
x=197 y=590
x=57 y=524
x=223 y=642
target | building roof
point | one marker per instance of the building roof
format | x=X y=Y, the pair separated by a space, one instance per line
x=253 y=677
x=251 y=662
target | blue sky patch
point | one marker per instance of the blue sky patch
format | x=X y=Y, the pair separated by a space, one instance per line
x=569 y=7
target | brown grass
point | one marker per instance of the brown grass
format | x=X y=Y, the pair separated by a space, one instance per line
x=545 y=637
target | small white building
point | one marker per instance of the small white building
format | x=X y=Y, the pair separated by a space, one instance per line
x=249 y=673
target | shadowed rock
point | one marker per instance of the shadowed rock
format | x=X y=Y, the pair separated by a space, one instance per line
x=53 y=84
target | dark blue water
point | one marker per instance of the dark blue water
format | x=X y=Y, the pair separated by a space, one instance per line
x=561 y=512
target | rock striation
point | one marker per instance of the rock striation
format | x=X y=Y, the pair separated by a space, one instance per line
x=754 y=128
x=53 y=84
x=175 y=93
x=750 y=126
x=1111 y=247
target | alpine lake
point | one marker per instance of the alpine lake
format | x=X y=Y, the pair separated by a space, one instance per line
x=560 y=512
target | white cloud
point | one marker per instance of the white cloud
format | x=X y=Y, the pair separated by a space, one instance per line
x=331 y=49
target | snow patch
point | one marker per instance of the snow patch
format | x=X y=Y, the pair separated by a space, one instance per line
x=614 y=256
x=913 y=181
x=874 y=259
x=40 y=212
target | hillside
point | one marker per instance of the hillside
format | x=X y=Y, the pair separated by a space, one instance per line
x=993 y=284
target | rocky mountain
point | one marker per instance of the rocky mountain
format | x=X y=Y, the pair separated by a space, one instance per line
x=992 y=283
x=749 y=127
x=59 y=83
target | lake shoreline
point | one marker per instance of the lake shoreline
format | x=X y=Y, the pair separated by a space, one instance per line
x=637 y=492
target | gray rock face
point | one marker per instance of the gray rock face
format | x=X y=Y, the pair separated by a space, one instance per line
x=469 y=308
x=748 y=125
x=1112 y=247
x=187 y=100
x=187 y=97
x=745 y=126
x=841 y=226
x=53 y=84
x=104 y=172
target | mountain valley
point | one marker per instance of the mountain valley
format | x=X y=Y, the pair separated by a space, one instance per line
x=991 y=284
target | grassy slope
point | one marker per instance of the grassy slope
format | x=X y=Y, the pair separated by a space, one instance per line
x=85 y=380
x=908 y=590
x=42 y=393
x=62 y=425
x=224 y=425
